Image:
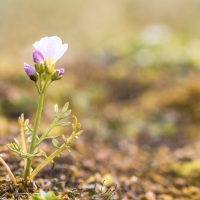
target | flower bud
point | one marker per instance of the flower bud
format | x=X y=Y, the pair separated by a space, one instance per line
x=30 y=71
x=58 y=73
x=38 y=59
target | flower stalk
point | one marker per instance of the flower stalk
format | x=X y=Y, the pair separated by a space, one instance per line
x=35 y=132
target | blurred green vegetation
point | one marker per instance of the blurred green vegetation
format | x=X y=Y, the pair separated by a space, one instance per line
x=132 y=67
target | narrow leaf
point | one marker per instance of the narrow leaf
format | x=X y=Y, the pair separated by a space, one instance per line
x=64 y=115
x=74 y=119
x=26 y=121
x=56 y=143
x=29 y=139
x=17 y=142
x=28 y=127
x=78 y=126
x=63 y=124
x=28 y=133
x=56 y=109
x=65 y=107
x=64 y=138
x=51 y=137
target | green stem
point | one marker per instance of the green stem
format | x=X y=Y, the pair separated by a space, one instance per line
x=46 y=161
x=44 y=135
x=52 y=156
x=35 y=132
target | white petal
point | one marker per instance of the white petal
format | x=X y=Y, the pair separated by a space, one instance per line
x=51 y=48
x=59 y=52
x=41 y=46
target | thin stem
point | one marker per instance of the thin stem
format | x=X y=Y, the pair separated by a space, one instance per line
x=46 y=132
x=47 y=83
x=21 y=123
x=38 y=88
x=35 y=132
x=40 y=82
x=46 y=161
x=8 y=170
x=52 y=156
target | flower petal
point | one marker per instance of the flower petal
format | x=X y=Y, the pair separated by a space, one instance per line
x=51 y=48
x=38 y=58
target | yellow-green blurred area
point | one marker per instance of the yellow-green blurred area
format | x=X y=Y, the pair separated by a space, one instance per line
x=132 y=67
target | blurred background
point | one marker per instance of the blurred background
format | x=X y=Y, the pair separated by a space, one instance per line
x=132 y=67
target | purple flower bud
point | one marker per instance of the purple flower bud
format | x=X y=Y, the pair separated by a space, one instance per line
x=38 y=58
x=30 y=71
x=60 y=71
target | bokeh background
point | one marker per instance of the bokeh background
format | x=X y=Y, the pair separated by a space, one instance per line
x=132 y=67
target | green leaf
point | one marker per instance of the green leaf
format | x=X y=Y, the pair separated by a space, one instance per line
x=56 y=143
x=74 y=120
x=30 y=155
x=56 y=109
x=26 y=122
x=12 y=148
x=16 y=146
x=78 y=127
x=79 y=133
x=64 y=138
x=29 y=139
x=28 y=132
x=64 y=115
x=63 y=124
x=28 y=128
x=17 y=142
x=65 y=107
x=51 y=137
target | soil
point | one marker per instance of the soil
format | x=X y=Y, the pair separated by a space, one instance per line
x=115 y=169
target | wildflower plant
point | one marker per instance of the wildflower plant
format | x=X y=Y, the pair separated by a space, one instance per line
x=47 y=51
